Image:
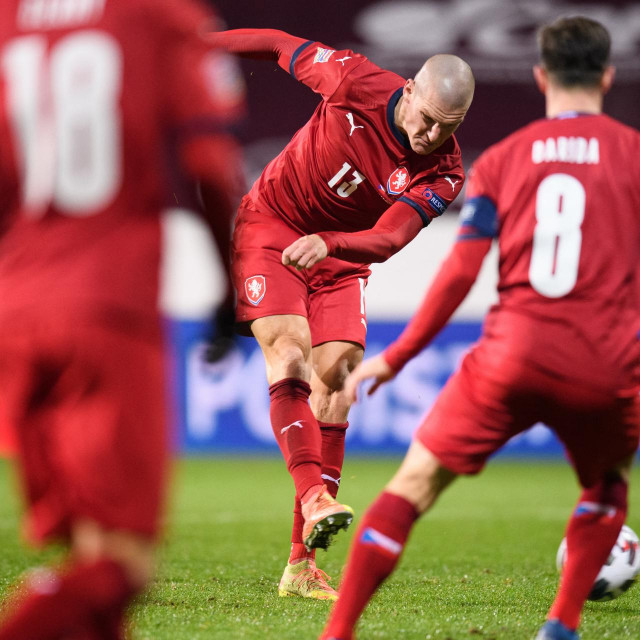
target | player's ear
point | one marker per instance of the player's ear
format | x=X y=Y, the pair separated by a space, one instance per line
x=409 y=87
x=541 y=78
x=607 y=78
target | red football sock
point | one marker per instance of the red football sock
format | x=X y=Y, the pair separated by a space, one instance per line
x=332 y=458
x=375 y=551
x=297 y=432
x=68 y=604
x=332 y=454
x=298 y=550
x=591 y=533
x=109 y=626
x=104 y=627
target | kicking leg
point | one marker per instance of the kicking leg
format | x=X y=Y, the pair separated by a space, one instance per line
x=286 y=344
x=332 y=362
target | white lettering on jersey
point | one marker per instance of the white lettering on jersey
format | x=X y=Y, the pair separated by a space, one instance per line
x=49 y=14
x=353 y=125
x=573 y=150
x=453 y=183
x=343 y=59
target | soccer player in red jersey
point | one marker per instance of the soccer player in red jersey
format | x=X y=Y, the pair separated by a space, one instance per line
x=562 y=196
x=377 y=157
x=108 y=105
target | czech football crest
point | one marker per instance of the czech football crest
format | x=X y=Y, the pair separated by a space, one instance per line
x=255 y=287
x=398 y=181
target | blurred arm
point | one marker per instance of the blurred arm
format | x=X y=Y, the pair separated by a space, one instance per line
x=215 y=163
x=260 y=44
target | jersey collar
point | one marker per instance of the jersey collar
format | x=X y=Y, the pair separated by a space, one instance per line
x=391 y=107
x=567 y=115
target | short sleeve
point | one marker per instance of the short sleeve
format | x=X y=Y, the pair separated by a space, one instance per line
x=321 y=68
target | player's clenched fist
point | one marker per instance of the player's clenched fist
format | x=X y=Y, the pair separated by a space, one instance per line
x=305 y=252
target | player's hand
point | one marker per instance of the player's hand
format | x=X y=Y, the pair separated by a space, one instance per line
x=222 y=340
x=375 y=368
x=305 y=252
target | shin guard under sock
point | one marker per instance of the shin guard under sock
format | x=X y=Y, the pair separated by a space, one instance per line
x=297 y=432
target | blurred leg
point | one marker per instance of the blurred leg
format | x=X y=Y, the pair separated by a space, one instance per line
x=89 y=598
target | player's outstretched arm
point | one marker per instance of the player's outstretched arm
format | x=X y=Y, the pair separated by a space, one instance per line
x=260 y=44
x=455 y=278
x=376 y=369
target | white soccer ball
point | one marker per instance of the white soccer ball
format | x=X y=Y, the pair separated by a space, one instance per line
x=619 y=571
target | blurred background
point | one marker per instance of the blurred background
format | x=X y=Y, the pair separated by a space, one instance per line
x=225 y=408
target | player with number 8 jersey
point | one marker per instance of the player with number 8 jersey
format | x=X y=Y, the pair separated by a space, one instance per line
x=561 y=195
x=561 y=346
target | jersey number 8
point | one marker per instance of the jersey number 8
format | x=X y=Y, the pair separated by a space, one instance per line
x=557 y=237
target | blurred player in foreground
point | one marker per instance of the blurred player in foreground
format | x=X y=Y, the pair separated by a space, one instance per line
x=107 y=102
x=562 y=196
x=377 y=157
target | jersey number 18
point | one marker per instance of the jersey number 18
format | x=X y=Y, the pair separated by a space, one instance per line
x=64 y=108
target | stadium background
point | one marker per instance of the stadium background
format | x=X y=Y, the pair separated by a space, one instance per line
x=225 y=408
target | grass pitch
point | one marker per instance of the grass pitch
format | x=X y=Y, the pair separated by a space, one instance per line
x=480 y=566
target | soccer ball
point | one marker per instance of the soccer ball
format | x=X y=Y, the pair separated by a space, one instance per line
x=618 y=572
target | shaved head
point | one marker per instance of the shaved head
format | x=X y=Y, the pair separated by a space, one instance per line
x=448 y=77
x=435 y=102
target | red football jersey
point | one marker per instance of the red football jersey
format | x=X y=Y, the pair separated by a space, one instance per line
x=562 y=196
x=102 y=98
x=349 y=163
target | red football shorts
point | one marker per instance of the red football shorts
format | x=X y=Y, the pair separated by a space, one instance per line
x=478 y=412
x=88 y=407
x=330 y=295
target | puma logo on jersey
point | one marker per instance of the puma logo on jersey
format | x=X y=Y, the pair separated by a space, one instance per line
x=353 y=125
x=297 y=423
x=453 y=183
x=343 y=59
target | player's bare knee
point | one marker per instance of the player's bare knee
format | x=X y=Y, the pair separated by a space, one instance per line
x=290 y=355
x=133 y=552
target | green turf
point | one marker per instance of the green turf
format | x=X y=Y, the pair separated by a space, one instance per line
x=481 y=565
